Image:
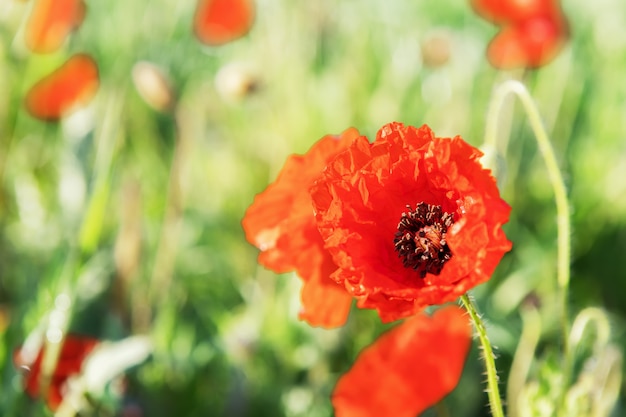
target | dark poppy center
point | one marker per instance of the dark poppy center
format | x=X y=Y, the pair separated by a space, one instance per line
x=421 y=238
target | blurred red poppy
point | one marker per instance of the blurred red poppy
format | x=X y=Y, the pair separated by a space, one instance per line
x=530 y=43
x=70 y=86
x=51 y=21
x=73 y=352
x=281 y=224
x=411 y=220
x=408 y=369
x=506 y=11
x=532 y=31
x=217 y=22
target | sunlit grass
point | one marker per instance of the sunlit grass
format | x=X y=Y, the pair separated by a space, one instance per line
x=87 y=207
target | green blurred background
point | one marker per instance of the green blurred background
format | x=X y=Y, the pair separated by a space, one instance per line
x=134 y=214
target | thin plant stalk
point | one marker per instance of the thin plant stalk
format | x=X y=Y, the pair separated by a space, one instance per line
x=556 y=179
x=594 y=318
x=523 y=358
x=161 y=279
x=88 y=236
x=107 y=136
x=493 y=391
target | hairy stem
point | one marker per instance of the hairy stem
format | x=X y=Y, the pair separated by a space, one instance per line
x=556 y=179
x=493 y=391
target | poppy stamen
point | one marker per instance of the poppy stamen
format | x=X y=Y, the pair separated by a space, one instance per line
x=421 y=238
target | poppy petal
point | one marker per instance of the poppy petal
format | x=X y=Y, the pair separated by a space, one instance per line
x=507 y=11
x=532 y=31
x=51 y=21
x=324 y=302
x=73 y=352
x=531 y=43
x=367 y=190
x=414 y=366
x=73 y=84
x=280 y=223
x=217 y=22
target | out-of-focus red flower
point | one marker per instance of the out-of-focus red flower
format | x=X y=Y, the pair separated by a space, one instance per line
x=280 y=222
x=530 y=43
x=532 y=31
x=411 y=220
x=72 y=85
x=51 y=21
x=217 y=22
x=74 y=350
x=408 y=369
x=505 y=11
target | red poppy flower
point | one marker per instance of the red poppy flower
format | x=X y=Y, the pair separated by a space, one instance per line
x=71 y=85
x=532 y=32
x=51 y=21
x=411 y=220
x=74 y=350
x=506 y=11
x=414 y=366
x=530 y=43
x=217 y=22
x=281 y=224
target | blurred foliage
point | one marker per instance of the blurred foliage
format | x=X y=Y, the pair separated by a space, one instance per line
x=134 y=213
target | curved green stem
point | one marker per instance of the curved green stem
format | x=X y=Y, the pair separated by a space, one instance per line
x=493 y=391
x=587 y=317
x=590 y=317
x=554 y=174
x=523 y=358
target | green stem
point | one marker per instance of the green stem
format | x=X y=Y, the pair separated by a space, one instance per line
x=493 y=391
x=554 y=174
x=590 y=317
x=107 y=136
x=523 y=358
x=161 y=280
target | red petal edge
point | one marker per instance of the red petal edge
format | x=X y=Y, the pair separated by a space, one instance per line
x=280 y=222
x=408 y=369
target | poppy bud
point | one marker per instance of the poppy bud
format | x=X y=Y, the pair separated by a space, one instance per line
x=153 y=86
x=236 y=81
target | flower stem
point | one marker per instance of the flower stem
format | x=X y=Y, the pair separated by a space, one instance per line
x=523 y=358
x=493 y=391
x=554 y=174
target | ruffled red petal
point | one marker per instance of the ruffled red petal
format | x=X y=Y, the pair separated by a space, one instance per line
x=281 y=224
x=414 y=366
x=359 y=202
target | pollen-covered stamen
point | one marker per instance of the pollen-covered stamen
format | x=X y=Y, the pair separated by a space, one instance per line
x=421 y=238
